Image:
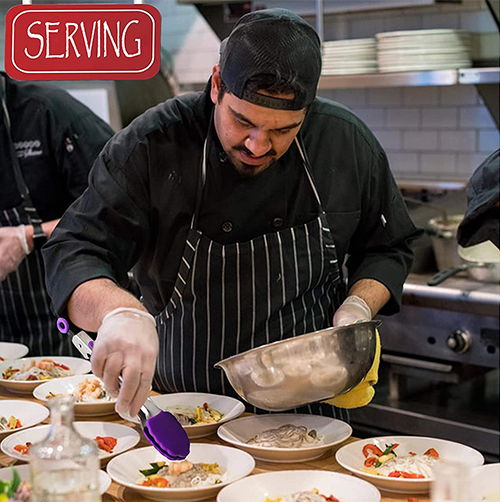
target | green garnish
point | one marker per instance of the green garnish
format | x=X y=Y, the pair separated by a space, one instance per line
x=10 y=487
x=155 y=468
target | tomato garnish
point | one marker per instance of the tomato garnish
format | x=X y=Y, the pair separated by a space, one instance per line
x=63 y=366
x=371 y=449
x=396 y=474
x=413 y=499
x=370 y=461
x=432 y=452
x=412 y=475
x=156 y=482
x=106 y=443
x=331 y=498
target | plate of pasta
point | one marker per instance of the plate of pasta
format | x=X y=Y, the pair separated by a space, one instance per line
x=201 y=475
x=285 y=437
x=300 y=486
x=402 y=464
x=199 y=413
x=23 y=375
x=485 y=483
x=91 y=398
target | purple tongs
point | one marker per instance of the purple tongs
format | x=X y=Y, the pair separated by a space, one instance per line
x=160 y=427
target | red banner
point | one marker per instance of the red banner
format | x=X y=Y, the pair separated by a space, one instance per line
x=82 y=42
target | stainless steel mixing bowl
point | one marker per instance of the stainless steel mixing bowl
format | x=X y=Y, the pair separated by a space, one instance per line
x=304 y=369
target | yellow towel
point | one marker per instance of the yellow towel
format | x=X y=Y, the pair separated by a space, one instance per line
x=363 y=393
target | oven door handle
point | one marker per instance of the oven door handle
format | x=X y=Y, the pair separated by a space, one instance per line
x=417 y=363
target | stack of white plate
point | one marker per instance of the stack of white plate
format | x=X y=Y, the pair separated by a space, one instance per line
x=418 y=50
x=343 y=57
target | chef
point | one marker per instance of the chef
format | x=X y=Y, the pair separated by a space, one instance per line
x=237 y=207
x=48 y=142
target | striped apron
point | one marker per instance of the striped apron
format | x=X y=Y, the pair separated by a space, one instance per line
x=25 y=315
x=231 y=298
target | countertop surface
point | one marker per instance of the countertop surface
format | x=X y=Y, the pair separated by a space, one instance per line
x=118 y=493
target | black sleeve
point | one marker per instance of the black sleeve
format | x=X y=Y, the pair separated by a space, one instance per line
x=77 y=137
x=380 y=247
x=103 y=232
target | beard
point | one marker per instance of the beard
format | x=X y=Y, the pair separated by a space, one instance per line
x=250 y=170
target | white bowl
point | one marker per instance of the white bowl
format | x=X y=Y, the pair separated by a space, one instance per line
x=69 y=385
x=77 y=365
x=228 y=406
x=351 y=457
x=10 y=350
x=126 y=436
x=239 y=431
x=485 y=483
x=29 y=413
x=24 y=474
x=277 y=484
x=124 y=469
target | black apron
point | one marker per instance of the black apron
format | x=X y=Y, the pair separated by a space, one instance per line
x=25 y=315
x=230 y=298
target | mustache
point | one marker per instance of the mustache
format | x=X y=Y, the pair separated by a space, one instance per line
x=244 y=149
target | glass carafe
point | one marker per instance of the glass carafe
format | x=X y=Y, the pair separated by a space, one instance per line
x=64 y=466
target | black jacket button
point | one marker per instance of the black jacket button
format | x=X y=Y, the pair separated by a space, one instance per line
x=227 y=226
x=278 y=222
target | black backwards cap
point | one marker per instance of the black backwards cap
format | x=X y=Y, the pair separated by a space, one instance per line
x=481 y=223
x=275 y=42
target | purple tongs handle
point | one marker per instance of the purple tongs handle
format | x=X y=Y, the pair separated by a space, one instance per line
x=160 y=427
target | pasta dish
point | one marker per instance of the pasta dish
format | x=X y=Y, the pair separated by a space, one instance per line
x=182 y=474
x=286 y=436
x=308 y=496
x=190 y=415
x=43 y=369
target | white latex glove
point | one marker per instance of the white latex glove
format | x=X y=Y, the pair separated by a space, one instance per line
x=126 y=345
x=352 y=310
x=13 y=249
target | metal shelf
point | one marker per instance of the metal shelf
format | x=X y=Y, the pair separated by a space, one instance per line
x=408 y=79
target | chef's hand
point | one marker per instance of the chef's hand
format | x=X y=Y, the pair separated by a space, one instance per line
x=352 y=310
x=126 y=345
x=13 y=249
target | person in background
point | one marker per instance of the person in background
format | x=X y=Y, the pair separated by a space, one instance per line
x=479 y=232
x=49 y=142
x=237 y=206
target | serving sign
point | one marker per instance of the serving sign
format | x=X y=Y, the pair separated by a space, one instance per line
x=82 y=42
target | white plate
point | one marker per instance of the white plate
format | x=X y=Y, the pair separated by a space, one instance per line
x=29 y=413
x=10 y=350
x=77 y=365
x=238 y=432
x=24 y=474
x=69 y=386
x=126 y=436
x=277 y=484
x=124 y=469
x=420 y=33
x=485 y=483
x=229 y=407
x=351 y=457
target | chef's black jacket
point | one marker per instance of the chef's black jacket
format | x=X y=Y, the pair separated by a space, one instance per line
x=142 y=194
x=56 y=139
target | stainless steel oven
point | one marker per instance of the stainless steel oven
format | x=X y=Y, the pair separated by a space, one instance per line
x=439 y=374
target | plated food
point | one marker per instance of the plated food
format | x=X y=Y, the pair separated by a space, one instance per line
x=400 y=467
x=20 y=415
x=88 y=390
x=204 y=460
x=191 y=415
x=110 y=438
x=10 y=424
x=300 y=486
x=11 y=350
x=24 y=489
x=183 y=474
x=285 y=437
x=23 y=375
x=197 y=419
x=388 y=463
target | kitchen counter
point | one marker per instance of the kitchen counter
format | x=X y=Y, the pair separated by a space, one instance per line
x=455 y=294
x=118 y=493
